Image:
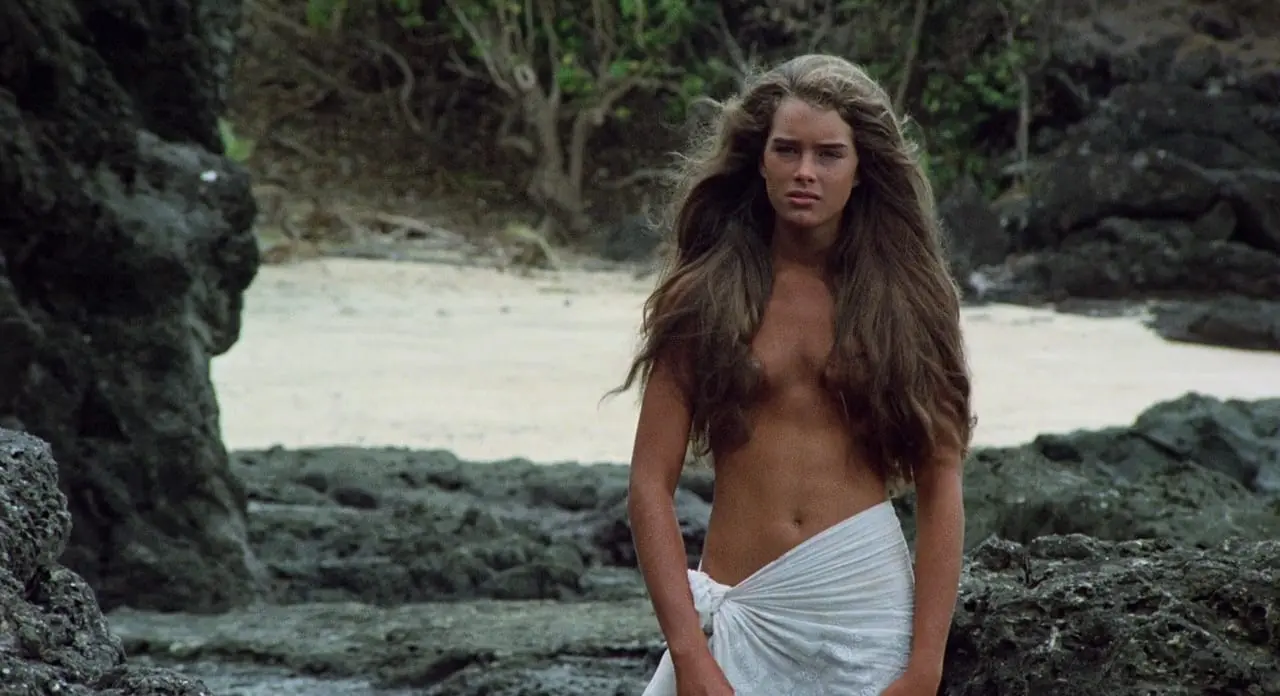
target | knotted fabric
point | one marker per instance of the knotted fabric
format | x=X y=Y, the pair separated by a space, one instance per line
x=830 y=616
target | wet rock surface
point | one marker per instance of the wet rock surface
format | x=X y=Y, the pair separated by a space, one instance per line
x=125 y=247
x=448 y=648
x=1062 y=615
x=53 y=636
x=514 y=578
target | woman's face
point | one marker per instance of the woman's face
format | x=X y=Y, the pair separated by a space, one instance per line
x=809 y=166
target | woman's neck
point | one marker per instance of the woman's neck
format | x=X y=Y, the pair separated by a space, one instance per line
x=806 y=249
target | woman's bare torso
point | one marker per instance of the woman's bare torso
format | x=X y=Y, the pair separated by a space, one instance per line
x=803 y=469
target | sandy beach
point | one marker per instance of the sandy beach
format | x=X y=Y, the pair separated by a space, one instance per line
x=494 y=365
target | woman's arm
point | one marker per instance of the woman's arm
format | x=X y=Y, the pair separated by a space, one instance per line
x=939 y=554
x=662 y=438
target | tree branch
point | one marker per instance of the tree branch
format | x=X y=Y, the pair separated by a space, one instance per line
x=547 y=13
x=741 y=61
x=593 y=117
x=484 y=46
x=406 y=87
x=819 y=34
x=913 y=50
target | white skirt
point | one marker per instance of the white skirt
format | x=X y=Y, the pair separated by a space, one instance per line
x=830 y=616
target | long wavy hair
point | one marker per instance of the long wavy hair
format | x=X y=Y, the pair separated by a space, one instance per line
x=898 y=365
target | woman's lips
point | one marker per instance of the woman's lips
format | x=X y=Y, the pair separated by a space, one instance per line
x=802 y=198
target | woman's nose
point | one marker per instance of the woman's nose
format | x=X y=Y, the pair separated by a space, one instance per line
x=805 y=170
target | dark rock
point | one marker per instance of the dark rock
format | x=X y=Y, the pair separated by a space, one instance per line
x=1184 y=481
x=1214 y=131
x=634 y=238
x=1240 y=439
x=613 y=531
x=445 y=530
x=441 y=529
x=241 y=679
x=141 y=681
x=1140 y=224
x=352 y=496
x=404 y=551
x=1216 y=22
x=1155 y=174
x=53 y=636
x=1070 y=615
x=1263 y=83
x=568 y=675
x=1255 y=195
x=1062 y=615
x=1122 y=258
x=456 y=647
x=1195 y=470
x=1230 y=322
x=125 y=246
x=975 y=236
x=699 y=480
x=1021 y=495
x=1078 y=191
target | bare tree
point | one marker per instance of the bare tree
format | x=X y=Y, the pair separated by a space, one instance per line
x=551 y=75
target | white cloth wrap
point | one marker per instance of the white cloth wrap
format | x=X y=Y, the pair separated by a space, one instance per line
x=830 y=616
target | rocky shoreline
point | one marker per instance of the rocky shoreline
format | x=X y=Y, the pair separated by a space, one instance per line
x=1134 y=560
x=1127 y=559
x=1151 y=176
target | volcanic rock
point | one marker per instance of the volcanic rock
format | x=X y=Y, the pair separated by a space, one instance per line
x=1155 y=170
x=1070 y=615
x=125 y=248
x=1230 y=322
x=53 y=636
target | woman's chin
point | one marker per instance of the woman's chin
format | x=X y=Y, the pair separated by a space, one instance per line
x=803 y=220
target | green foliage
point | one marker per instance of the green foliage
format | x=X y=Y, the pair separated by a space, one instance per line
x=965 y=78
x=325 y=15
x=321 y=13
x=584 y=48
x=410 y=13
x=957 y=106
x=235 y=148
x=964 y=87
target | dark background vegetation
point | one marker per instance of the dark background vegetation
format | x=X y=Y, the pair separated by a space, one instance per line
x=363 y=117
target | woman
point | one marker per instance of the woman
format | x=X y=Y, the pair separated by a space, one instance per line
x=806 y=335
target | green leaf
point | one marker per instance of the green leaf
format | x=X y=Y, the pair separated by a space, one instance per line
x=320 y=13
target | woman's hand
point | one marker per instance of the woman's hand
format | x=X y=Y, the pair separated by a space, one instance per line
x=700 y=675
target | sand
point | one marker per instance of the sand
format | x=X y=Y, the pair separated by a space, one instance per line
x=494 y=365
